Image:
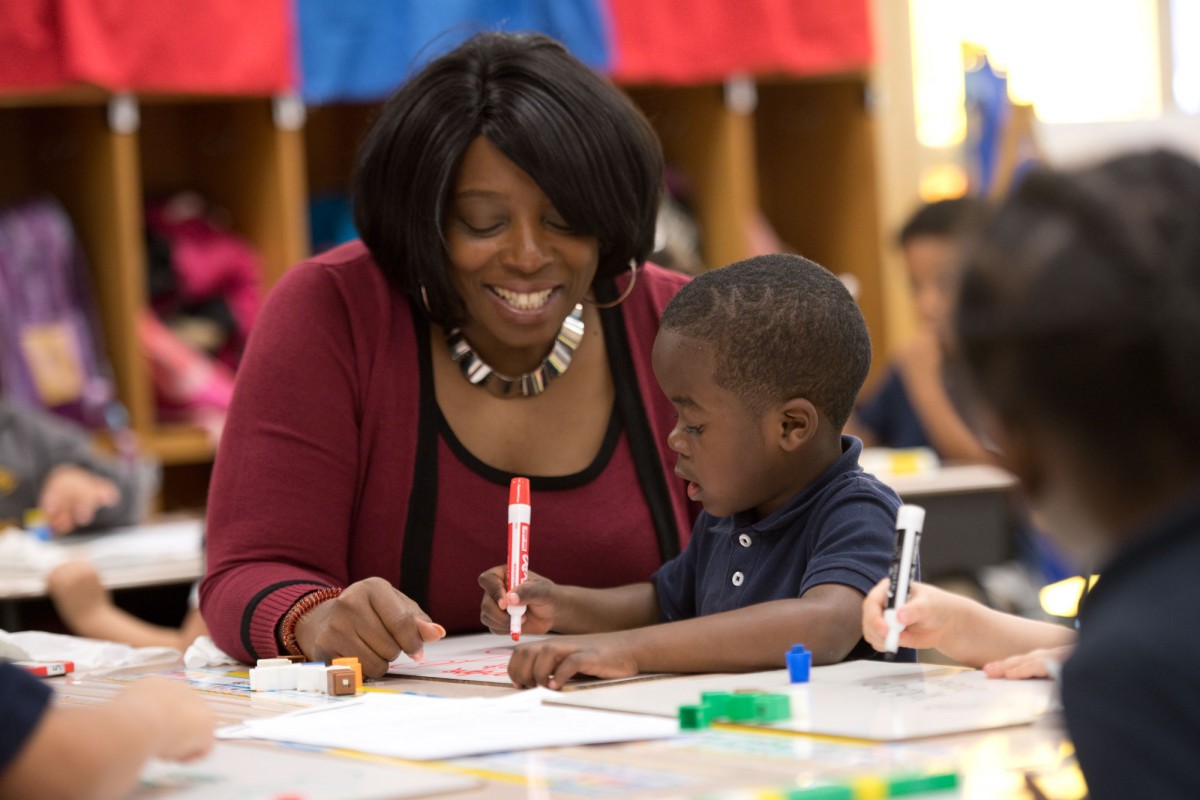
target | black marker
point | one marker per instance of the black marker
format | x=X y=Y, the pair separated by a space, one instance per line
x=909 y=521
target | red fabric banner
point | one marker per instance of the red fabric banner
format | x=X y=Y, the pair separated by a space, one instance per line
x=684 y=41
x=214 y=46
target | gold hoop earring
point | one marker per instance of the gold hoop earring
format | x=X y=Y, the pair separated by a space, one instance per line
x=425 y=300
x=633 y=268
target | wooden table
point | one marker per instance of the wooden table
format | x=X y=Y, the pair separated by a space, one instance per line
x=719 y=763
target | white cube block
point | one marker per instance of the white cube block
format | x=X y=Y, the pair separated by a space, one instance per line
x=287 y=677
x=264 y=679
x=310 y=677
x=273 y=662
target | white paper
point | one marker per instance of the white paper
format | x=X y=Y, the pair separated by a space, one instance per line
x=86 y=654
x=177 y=540
x=476 y=658
x=233 y=772
x=424 y=728
x=482 y=658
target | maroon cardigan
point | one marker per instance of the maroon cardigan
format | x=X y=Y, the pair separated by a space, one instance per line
x=317 y=463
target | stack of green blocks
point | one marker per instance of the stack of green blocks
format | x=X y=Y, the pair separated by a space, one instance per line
x=749 y=707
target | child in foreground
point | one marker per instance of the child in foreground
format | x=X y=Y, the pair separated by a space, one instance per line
x=762 y=361
x=970 y=633
x=1079 y=317
x=75 y=752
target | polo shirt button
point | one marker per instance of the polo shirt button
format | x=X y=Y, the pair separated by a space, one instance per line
x=738 y=578
x=745 y=540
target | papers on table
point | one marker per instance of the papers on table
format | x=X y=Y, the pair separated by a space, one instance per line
x=423 y=728
x=139 y=555
x=476 y=658
x=481 y=658
x=85 y=654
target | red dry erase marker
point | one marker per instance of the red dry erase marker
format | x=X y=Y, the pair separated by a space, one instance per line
x=518 y=547
x=46 y=669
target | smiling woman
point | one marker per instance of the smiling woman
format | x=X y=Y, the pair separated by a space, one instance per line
x=495 y=320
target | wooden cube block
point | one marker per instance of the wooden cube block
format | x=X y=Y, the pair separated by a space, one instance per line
x=352 y=663
x=340 y=680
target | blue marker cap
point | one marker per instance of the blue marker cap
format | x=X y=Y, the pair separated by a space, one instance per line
x=799 y=661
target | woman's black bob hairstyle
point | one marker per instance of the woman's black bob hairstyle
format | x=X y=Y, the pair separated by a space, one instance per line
x=580 y=139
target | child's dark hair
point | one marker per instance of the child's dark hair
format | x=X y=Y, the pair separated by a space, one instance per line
x=1080 y=309
x=781 y=326
x=956 y=218
x=581 y=140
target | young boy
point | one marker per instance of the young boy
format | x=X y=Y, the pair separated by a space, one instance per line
x=762 y=361
x=915 y=404
x=63 y=751
x=1079 y=318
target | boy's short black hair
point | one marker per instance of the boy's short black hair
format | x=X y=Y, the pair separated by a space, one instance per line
x=1080 y=309
x=780 y=326
x=956 y=218
x=580 y=139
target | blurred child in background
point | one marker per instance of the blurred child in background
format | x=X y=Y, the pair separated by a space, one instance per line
x=916 y=404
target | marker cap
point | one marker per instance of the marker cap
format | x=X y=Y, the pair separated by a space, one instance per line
x=518 y=491
x=910 y=517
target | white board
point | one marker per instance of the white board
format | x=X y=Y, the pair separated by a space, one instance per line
x=860 y=699
x=480 y=658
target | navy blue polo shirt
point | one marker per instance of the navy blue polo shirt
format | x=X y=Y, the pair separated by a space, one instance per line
x=841 y=528
x=23 y=700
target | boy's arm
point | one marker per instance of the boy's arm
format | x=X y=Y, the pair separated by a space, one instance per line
x=826 y=619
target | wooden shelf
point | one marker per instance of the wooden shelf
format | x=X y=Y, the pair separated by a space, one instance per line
x=228 y=149
x=804 y=157
x=179 y=444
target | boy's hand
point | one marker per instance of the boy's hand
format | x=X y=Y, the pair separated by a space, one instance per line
x=71 y=496
x=539 y=595
x=927 y=616
x=553 y=662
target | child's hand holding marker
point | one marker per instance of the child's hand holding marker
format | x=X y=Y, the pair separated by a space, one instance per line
x=539 y=596
x=928 y=616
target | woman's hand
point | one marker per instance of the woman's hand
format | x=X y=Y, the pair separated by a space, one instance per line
x=370 y=620
x=552 y=662
x=539 y=595
x=72 y=495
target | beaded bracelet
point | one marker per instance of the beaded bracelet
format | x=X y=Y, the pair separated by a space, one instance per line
x=287 y=629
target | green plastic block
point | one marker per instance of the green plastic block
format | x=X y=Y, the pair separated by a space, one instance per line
x=694 y=718
x=773 y=707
